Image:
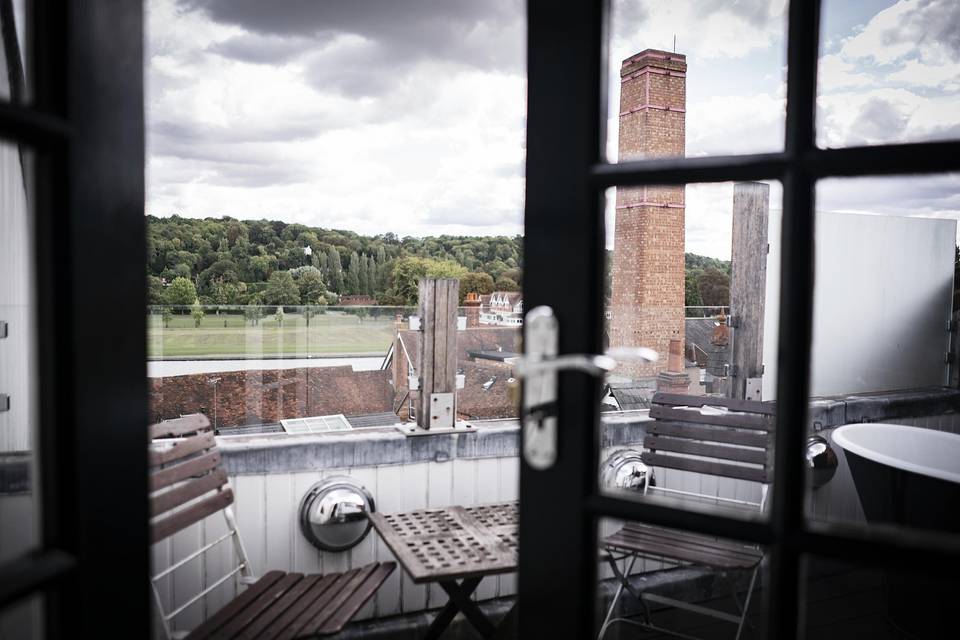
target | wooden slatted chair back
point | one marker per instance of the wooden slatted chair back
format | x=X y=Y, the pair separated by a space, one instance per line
x=187 y=484
x=187 y=481
x=715 y=436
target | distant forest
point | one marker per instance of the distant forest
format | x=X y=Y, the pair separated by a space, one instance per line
x=224 y=261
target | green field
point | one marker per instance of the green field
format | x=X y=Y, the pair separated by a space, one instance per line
x=332 y=333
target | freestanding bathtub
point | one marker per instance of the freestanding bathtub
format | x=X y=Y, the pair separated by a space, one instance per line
x=908 y=476
x=904 y=475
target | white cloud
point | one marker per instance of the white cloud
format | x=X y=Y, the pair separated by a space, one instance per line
x=705 y=29
x=438 y=148
x=337 y=129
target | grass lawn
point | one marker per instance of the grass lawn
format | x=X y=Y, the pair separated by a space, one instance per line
x=332 y=333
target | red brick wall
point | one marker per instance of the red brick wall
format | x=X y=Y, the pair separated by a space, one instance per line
x=648 y=268
x=253 y=397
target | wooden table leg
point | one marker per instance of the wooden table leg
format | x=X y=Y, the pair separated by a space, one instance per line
x=460 y=596
x=449 y=611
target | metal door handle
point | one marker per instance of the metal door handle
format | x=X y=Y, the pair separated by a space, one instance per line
x=539 y=368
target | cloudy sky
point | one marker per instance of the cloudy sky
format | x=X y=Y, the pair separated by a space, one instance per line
x=408 y=116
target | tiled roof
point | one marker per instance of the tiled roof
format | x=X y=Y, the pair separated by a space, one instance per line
x=631 y=396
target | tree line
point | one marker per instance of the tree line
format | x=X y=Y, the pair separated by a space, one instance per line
x=225 y=261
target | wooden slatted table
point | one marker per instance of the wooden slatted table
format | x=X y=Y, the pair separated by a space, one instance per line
x=455 y=547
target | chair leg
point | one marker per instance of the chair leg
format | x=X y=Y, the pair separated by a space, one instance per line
x=746 y=604
x=616 y=597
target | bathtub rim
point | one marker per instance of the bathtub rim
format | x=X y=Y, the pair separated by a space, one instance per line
x=841 y=439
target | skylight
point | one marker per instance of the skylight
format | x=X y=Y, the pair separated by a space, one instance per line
x=316 y=424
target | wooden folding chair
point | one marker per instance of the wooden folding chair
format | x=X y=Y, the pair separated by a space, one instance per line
x=187 y=484
x=712 y=436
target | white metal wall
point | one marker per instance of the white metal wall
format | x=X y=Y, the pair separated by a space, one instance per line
x=16 y=304
x=882 y=300
x=266 y=507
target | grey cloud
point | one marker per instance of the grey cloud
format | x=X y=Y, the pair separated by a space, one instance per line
x=262 y=49
x=878 y=120
x=894 y=195
x=464 y=31
x=196 y=132
x=626 y=16
x=756 y=12
x=929 y=22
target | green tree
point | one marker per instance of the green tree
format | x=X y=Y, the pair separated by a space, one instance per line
x=334 y=270
x=253 y=312
x=407 y=273
x=691 y=292
x=506 y=284
x=154 y=290
x=479 y=283
x=166 y=315
x=223 y=292
x=197 y=312
x=714 y=287
x=353 y=274
x=180 y=292
x=311 y=287
x=281 y=289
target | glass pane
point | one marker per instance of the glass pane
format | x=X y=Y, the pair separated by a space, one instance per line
x=884 y=443
x=23 y=620
x=690 y=277
x=306 y=168
x=665 y=567
x=889 y=72
x=14 y=83
x=845 y=600
x=694 y=78
x=19 y=492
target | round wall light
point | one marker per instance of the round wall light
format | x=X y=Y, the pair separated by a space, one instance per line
x=333 y=513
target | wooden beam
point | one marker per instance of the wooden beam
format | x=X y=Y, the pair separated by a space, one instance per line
x=438 y=343
x=748 y=282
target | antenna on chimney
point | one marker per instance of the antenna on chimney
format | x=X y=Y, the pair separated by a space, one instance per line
x=674 y=43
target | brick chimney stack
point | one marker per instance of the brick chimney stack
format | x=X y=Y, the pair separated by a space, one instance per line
x=648 y=266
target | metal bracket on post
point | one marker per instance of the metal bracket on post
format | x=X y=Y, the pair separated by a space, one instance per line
x=4 y=402
x=3 y=329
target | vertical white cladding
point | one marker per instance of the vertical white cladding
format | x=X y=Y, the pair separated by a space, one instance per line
x=16 y=304
x=882 y=298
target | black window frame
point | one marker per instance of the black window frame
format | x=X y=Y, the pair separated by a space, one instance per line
x=566 y=177
x=79 y=125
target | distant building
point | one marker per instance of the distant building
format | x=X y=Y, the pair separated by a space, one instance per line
x=356 y=301
x=502 y=309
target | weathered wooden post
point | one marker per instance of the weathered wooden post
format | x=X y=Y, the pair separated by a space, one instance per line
x=436 y=404
x=748 y=281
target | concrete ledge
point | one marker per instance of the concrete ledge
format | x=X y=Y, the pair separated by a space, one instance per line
x=282 y=453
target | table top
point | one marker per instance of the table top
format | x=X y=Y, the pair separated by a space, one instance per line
x=451 y=543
